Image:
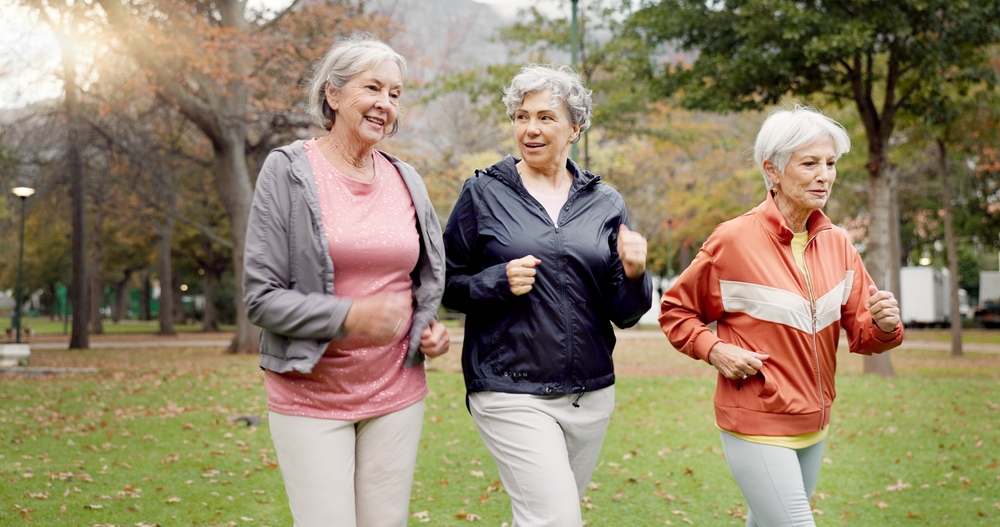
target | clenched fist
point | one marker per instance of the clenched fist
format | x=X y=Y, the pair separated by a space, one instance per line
x=521 y=274
x=632 y=252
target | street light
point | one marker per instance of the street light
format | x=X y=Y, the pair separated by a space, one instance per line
x=23 y=193
x=574 y=53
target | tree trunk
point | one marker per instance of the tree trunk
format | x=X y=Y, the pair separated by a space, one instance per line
x=145 y=296
x=180 y=317
x=233 y=183
x=949 y=240
x=209 y=318
x=121 y=297
x=164 y=269
x=97 y=271
x=878 y=257
x=80 y=297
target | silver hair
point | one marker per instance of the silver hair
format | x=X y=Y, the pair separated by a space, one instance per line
x=346 y=59
x=786 y=131
x=565 y=85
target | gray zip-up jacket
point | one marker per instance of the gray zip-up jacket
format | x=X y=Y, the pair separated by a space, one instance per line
x=288 y=274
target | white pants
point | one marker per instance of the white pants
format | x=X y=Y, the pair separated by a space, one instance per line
x=777 y=482
x=348 y=473
x=545 y=449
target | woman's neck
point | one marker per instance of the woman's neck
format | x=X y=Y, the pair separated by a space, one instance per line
x=797 y=219
x=354 y=160
x=547 y=180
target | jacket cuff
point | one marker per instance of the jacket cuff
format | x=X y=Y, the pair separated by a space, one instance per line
x=703 y=344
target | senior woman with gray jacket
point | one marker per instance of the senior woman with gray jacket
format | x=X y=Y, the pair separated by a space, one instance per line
x=344 y=274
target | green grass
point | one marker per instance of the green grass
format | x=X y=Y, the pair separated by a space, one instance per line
x=147 y=441
x=45 y=326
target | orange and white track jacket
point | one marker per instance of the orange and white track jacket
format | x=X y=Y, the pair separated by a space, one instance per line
x=745 y=278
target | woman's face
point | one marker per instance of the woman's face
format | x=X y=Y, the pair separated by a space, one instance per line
x=543 y=130
x=808 y=178
x=368 y=105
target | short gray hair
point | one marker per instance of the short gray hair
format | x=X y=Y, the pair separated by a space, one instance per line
x=565 y=85
x=346 y=59
x=786 y=131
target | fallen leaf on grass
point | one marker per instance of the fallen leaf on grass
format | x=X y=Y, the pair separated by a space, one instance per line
x=898 y=486
x=174 y=499
x=93 y=506
x=881 y=504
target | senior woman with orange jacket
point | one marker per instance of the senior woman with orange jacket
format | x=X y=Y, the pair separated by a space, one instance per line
x=781 y=282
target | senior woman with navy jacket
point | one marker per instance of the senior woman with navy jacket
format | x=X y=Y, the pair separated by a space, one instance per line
x=540 y=258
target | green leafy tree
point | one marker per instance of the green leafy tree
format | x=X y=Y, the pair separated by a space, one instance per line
x=880 y=57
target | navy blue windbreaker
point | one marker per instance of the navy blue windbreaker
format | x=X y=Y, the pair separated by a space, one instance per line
x=557 y=338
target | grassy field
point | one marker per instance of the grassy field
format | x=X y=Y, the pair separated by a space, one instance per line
x=46 y=326
x=148 y=440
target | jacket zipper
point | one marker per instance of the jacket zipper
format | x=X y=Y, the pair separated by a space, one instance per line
x=567 y=319
x=815 y=327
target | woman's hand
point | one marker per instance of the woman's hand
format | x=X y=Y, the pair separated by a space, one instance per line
x=734 y=362
x=884 y=309
x=435 y=341
x=632 y=252
x=383 y=316
x=521 y=274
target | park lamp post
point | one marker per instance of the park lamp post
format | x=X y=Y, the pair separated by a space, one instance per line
x=23 y=193
x=574 y=48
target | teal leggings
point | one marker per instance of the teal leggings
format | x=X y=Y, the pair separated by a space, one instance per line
x=777 y=482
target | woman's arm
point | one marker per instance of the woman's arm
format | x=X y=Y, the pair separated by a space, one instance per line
x=689 y=305
x=270 y=301
x=633 y=288
x=861 y=320
x=468 y=284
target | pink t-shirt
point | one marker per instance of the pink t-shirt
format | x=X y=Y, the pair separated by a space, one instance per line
x=552 y=203
x=372 y=232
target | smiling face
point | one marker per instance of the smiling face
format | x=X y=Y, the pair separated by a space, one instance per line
x=543 y=130
x=368 y=105
x=806 y=182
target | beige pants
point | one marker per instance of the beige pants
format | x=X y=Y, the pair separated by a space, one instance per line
x=545 y=450
x=348 y=473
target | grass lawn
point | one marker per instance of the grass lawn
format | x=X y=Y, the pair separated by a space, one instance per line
x=148 y=441
x=46 y=326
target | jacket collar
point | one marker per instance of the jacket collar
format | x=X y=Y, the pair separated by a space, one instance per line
x=506 y=171
x=774 y=222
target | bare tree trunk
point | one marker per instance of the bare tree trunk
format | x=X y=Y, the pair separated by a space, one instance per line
x=97 y=271
x=234 y=187
x=210 y=318
x=145 y=296
x=164 y=269
x=949 y=240
x=79 y=293
x=180 y=317
x=878 y=258
x=121 y=297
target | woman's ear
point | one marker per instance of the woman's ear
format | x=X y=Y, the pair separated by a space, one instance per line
x=331 y=97
x=772 y=172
